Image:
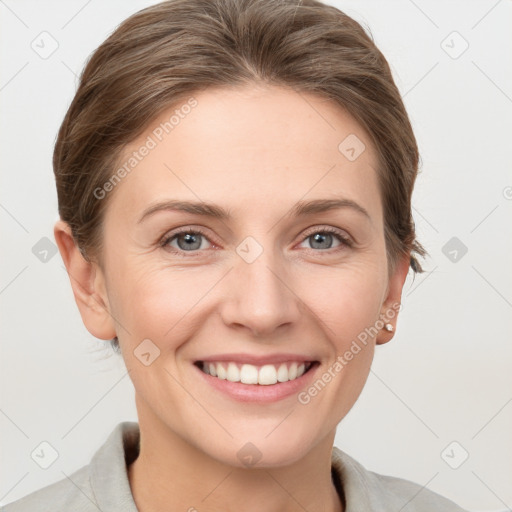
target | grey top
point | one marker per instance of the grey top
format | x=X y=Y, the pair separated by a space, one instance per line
x=103 y=484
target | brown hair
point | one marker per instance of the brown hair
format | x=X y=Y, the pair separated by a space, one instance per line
x=164 y=53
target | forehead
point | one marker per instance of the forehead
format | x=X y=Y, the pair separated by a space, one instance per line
x=247 y=147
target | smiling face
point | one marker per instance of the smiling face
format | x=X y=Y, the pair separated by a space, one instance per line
x=270 y=276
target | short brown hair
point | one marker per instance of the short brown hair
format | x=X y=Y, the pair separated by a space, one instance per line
x=168 y=51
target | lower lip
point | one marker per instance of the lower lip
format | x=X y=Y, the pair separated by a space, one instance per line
x=258 y=392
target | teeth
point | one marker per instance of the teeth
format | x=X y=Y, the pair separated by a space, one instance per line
x=221 y=372
x=282 y=373
x=233 y=373
x=249 y=374
x=292 y=372
x=265 y=375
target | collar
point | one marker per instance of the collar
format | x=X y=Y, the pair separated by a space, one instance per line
x=111 y=487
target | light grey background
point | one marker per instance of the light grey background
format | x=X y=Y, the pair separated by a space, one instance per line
x=447 y=374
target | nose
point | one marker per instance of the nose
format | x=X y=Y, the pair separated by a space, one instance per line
x=259 y=296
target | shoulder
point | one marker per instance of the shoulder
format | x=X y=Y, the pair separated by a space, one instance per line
x=70 y=493
x=418 y=498
x=367 y=490
x=101 y=485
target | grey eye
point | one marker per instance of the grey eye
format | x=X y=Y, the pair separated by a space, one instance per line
x=321 y=240
x=189 y=241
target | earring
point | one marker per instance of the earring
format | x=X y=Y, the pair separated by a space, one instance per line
x=389 y=327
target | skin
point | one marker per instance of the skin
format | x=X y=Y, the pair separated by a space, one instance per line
x=255 y=151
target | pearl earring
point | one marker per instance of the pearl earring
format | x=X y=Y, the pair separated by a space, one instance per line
x=389 y=328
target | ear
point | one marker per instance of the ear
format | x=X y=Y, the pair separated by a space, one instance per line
x=88 y=284
x=391 y=304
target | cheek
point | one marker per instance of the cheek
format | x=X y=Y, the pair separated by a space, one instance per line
x=159 y=303
x=347 y=304
x=347 y=299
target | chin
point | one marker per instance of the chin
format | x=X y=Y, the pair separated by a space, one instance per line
x=264 y=448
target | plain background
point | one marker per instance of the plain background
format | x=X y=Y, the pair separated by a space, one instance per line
x=447 y=374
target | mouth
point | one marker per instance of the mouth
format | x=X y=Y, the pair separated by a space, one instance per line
x=256 y=375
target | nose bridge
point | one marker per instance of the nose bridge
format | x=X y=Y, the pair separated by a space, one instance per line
x=260 y=295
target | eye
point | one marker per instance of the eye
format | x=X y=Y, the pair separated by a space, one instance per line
x=195 y=240
x=322 y=239
x=185 y=240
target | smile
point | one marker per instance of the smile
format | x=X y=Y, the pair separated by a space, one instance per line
x=264 y=375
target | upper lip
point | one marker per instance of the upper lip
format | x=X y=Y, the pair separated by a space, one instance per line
x=257 y=360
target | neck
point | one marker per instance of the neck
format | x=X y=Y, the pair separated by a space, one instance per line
x=171 y=474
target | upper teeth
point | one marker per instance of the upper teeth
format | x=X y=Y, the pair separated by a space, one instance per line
x=250 y=374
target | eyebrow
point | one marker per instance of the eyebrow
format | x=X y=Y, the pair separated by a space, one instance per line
x=301 y=208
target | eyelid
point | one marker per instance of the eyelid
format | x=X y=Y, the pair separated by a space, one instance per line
x=170 y=235
x=344 y=238
x=328 y=229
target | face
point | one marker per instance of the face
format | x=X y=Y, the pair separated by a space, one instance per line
x=274 y=275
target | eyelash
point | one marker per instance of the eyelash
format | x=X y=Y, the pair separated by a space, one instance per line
x=343 y=239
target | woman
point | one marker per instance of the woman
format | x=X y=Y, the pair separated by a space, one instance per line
x=234 y=182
